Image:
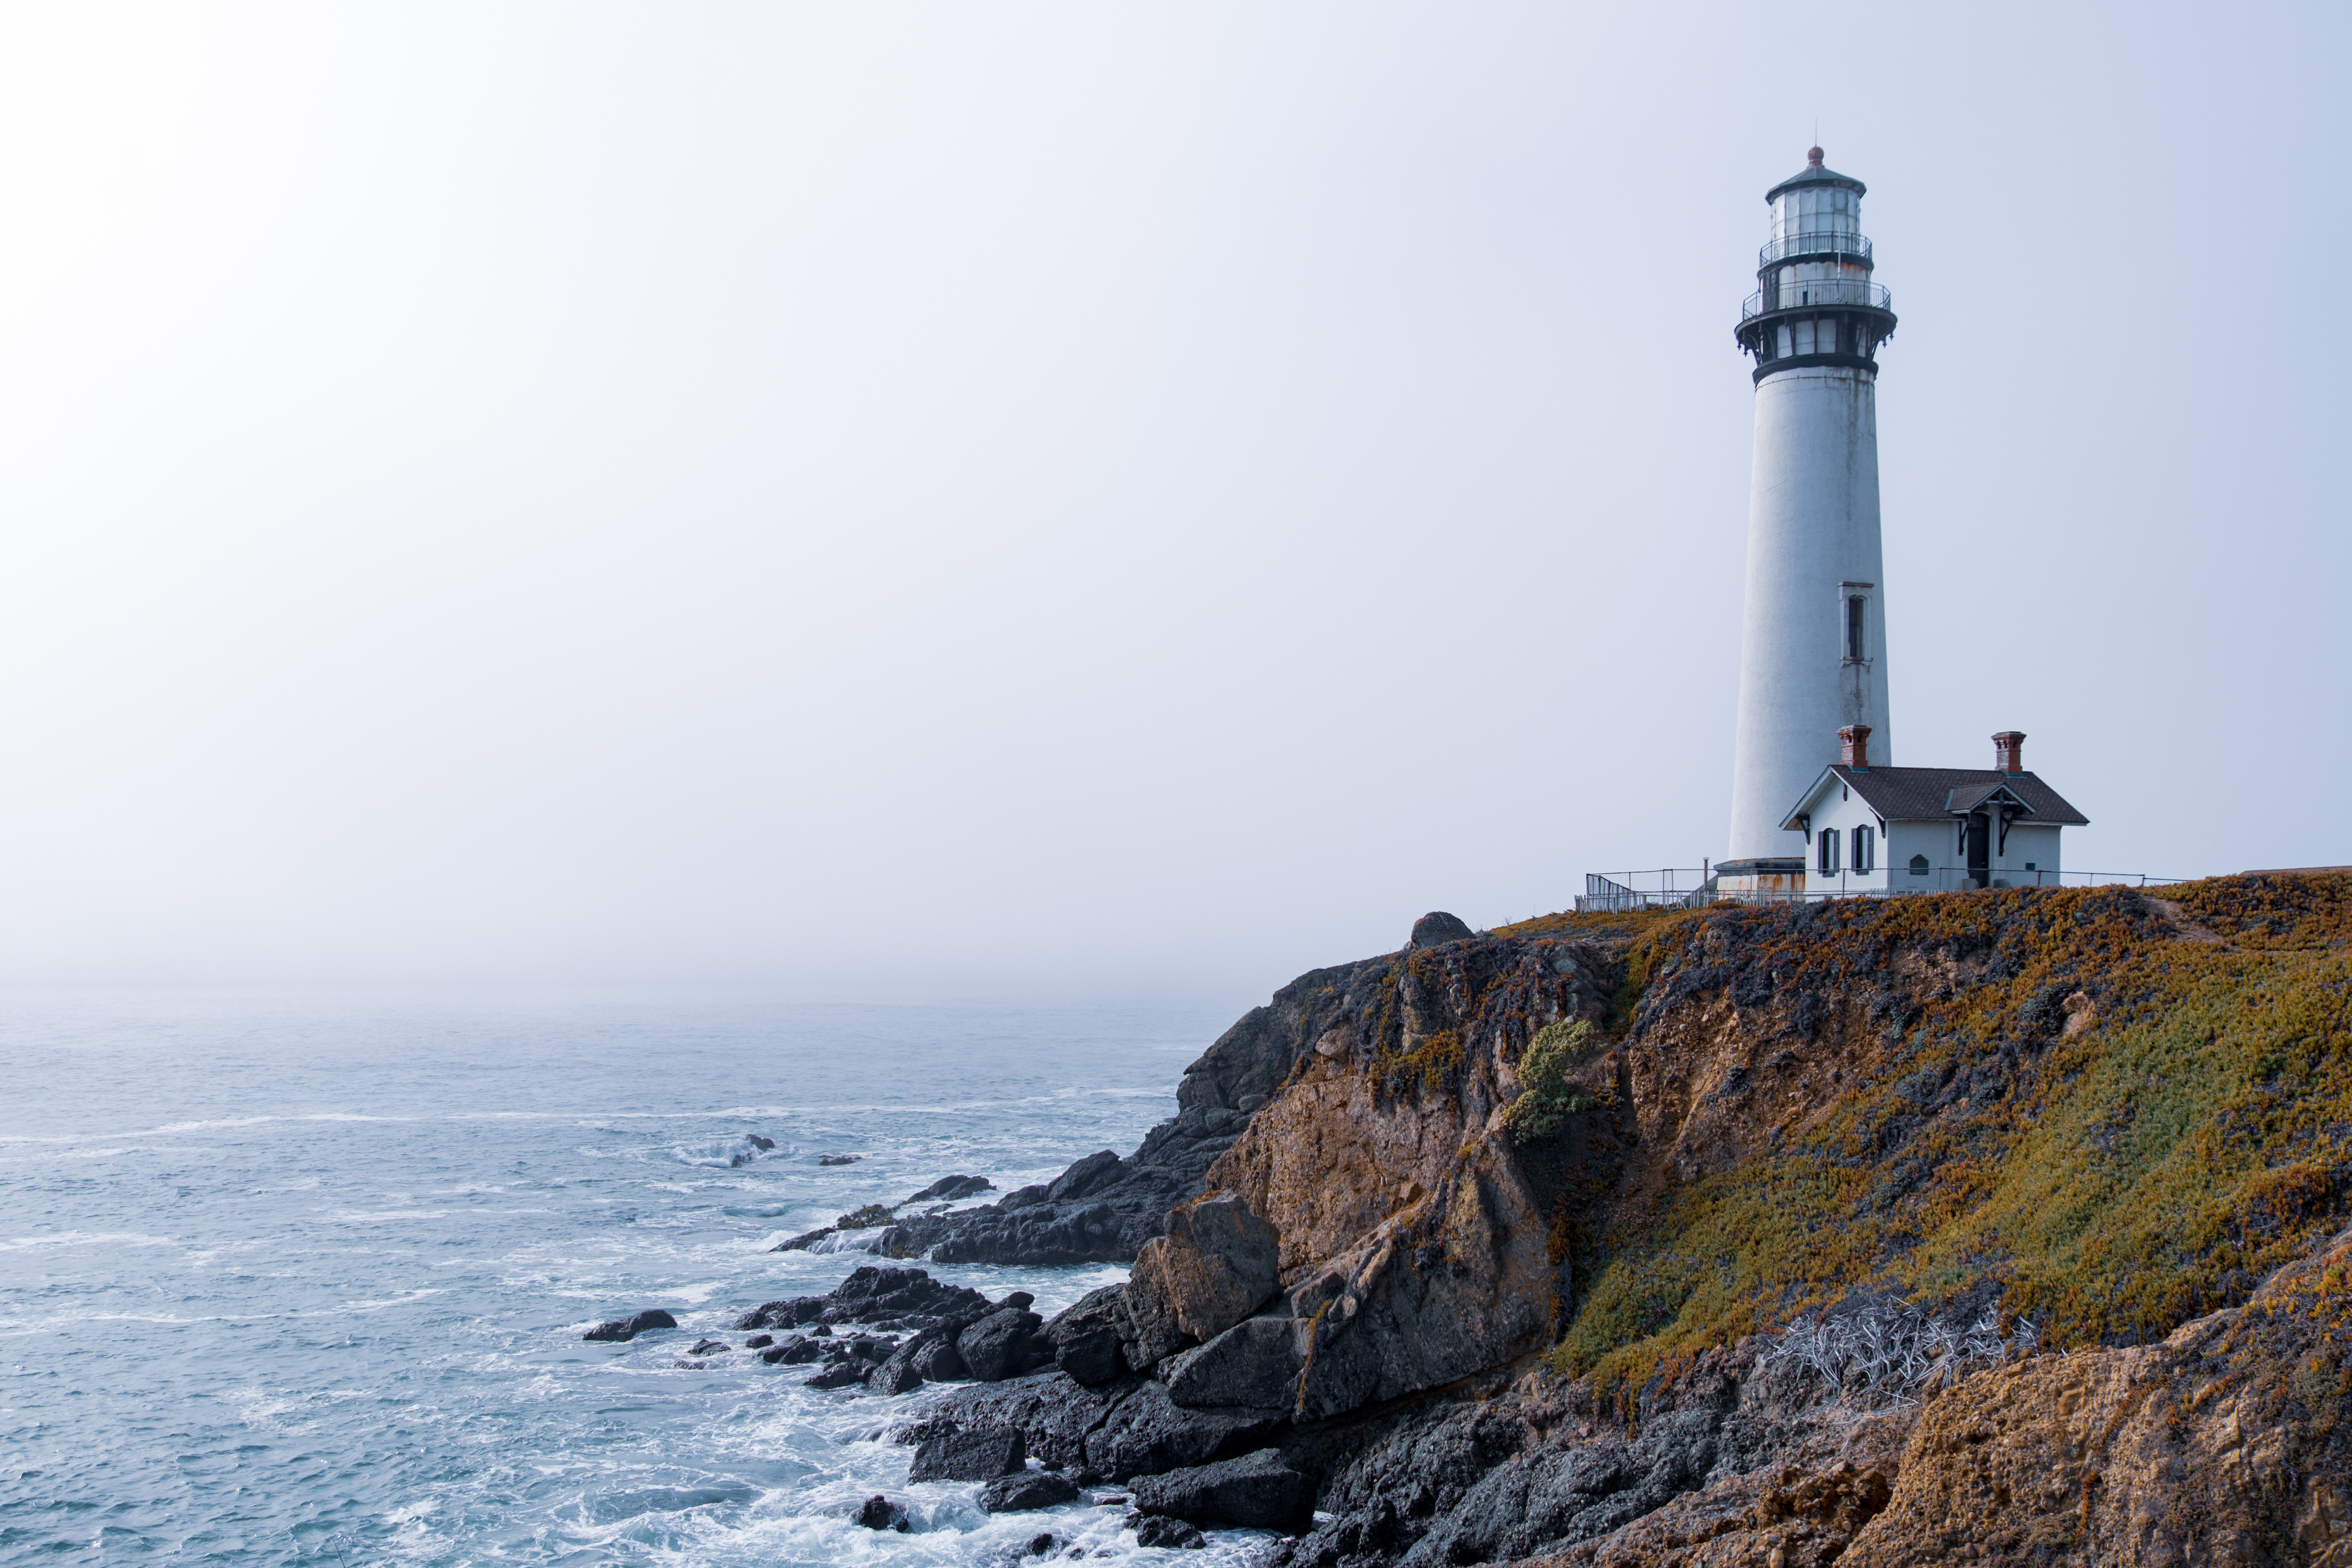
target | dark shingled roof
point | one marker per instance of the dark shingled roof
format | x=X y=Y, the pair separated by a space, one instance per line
x=1915 y=794
x=1814 y=174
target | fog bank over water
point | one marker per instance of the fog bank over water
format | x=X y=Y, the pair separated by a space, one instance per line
x=1057 y=501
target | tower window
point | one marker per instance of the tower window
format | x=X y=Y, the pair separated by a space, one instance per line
x=1856 y=644
x=1829 y=849
x=1786 y=348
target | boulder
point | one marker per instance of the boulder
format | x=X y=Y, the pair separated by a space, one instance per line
x=837 y=1159
x=1030 y=1489
x=841 y=1375
x=957 y=1454
x=878 y=1512
x=1218 y=1263
x=1086 y=1336
x=1146 y=1433
x=1437 y=928
x=625 y=1328
x=946 y=1189
x=759 y=1342
x=763 y=1144
x=1004 y=1345
x=1052 y=1415
x=1042 y=1545
x=1096 y=1170
x=710 y=1347
x=1256 y=1362
x=798 y=1351
x=1159 y=1529
x=1256 y=1491
x=939 y=1362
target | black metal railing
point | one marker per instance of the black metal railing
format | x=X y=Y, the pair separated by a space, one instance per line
x=1813 y=243
x=1668 y=887
x=1820 y=292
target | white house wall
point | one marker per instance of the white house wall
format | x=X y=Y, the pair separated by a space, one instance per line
x=1898 y=841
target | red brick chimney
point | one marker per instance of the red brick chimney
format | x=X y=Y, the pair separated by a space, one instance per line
x=2009 y=751
x=1853 y=746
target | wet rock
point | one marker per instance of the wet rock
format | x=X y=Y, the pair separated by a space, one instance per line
x=1086 y=1336
x=874 y=1294
x=949 y=1188
x=1157 y=1529
x=1044 y=1545
x=939 y=1362
x=1029 y=1490
x=798 y=1351
x=865 y=1217
x=1218 y=1263
x=1256 y=1491
x=759 y=1342
x=878 y=1512
x=977 y=1454
x=841 y=1375
x=1004 y=1345
x=837 y=1159
x=1095 y=1171
x=763 y=1144
x=1052 y=1415
x=625 y=1329
x=1437 y=926
x=1146 y=1433
x=710 y=1347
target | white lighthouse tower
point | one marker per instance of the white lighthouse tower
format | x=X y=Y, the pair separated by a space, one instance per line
x=1813 y=653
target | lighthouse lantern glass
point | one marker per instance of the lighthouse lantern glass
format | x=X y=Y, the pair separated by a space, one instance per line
x=1816 y=210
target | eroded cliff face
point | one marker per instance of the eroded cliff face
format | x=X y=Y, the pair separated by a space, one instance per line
x=1411 y=1241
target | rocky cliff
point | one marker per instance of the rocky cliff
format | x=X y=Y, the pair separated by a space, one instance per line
x=1999 y=1226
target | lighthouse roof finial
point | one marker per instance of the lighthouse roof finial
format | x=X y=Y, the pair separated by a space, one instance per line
x=1812 y=157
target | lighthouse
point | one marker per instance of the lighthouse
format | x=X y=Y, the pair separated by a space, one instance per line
x=1812 y=649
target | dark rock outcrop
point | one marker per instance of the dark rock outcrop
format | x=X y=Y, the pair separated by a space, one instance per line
x=1087 y=1336
x=977 y=1454
x=1218 y=1263
x=1258 y=1491
x=1159 y=1529
x=837 y=1159
x=1029 y=1490
x=949 y=1188
x=625 y=1329
x=1104 y=1208
x=1004 y=1345
x=878 y=1512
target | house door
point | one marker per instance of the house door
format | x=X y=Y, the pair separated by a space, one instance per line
x=1980 y=849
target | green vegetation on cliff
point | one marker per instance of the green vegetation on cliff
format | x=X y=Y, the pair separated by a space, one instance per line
x=2104 y=1111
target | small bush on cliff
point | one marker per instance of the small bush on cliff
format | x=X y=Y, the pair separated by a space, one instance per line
x=1546 y=1099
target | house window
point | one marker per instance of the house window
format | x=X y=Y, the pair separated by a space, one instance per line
x=1865 y=844
x=1855 y=643
x=1829 y=849
x=1919 y=865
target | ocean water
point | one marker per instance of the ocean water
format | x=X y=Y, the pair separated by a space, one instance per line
x=298 y=1280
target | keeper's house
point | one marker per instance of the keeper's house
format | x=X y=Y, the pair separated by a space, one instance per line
x=1925 y=830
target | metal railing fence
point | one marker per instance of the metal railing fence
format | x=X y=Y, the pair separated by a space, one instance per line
x=1618 y=892
x=1815 y=243
x=1820 y=292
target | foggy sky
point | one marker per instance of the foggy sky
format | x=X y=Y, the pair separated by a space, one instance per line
x=875 y=501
